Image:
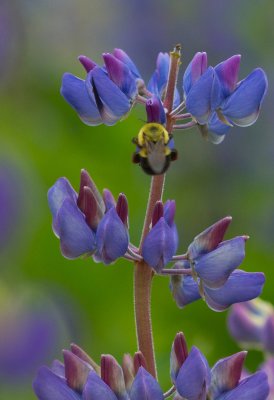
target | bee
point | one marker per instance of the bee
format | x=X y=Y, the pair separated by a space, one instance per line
x=154 y=149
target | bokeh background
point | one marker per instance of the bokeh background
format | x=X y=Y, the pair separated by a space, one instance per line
x=46 y=301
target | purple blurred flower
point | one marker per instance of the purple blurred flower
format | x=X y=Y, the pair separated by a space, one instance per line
x=80 y=378
x=216 y=99
x=252 y=324
x=87 y=223
x=213 y=263
x=161 y=242
x=268 y=368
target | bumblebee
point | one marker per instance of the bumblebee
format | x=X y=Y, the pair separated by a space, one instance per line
x=154 y=149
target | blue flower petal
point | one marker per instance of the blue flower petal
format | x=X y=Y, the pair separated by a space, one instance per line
x=152 y=85
x=216 y=126
x=198 y=100
x=215 y=267
x=226 y=374
x=57 y=194
x=162 y=68
x=228 y=72
x=122 y=56
x=111 y=237
x=184 y=289
x=48 y=386
x=120 y=74
x=76 y=238
x=254 y=387
x=75 y=93
x=155 y=110
x=159 y=245
x=243 y=106
x=194 y=71
x=111 y=102
x=194 y=375
x=145 y=387
x=96 y=389
x=240 y=286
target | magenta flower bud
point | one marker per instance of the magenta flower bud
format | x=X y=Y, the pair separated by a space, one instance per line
x=209 y=239
x=122 y=208
x=112 y=375
x=178 y=355
x=87 y=181
x=195 y=70
x=158 y=213
x=128 y=370
x=139 y=361
x=108 y=199
x=85 y=357
x=87 y=63
x=155 y=111
x=76 y=371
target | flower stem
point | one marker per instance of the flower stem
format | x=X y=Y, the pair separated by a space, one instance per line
x=142 y=285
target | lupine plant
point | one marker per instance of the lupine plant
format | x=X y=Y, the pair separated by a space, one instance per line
x=93 y=224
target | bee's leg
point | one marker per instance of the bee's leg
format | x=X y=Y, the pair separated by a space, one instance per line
x=135 y=141
x=174 y=155
x=136 y=158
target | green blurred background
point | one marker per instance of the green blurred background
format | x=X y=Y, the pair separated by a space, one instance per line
x=42 y=139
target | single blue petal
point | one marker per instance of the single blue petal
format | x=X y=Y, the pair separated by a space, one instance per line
x=120 y=74
x=75 y=93
x=226 y=374
x=155 y=110
x=240 y=286
x=48 y=386
x=198 y=100
x=152 y=85
x=255 y=387
x=217 y=95
x=57 y=194
x=76 y=237
x=111 y=237
x=243 y=106
x=145 y=387
x=184 y=289
x=228 y=72
x=215 y=267
x=96 y=389
x=194 y=375
x=177 y=98
x=111 y=102
x=194 y=71
x=162 y=68
x=159 y=245
x=122 y=56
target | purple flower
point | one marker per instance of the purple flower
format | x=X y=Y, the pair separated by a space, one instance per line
x=252 y=324
x=216 y=99
x=268 y=368
x=161 y=242
x=108 y=93
x=213 y=263
x=81 y=378
x=87 y=223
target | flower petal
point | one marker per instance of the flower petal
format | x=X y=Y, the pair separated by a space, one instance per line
x=57 y=194
x=228 y=72
x=111 y=237
x=96 y=389
x=122 y=56
x=194 y=375
x=76 y=238
x=145 y=387
x=120 y=74
x=209 y=239
x=243 y=106
x=215 y=267
x=253 y=387
x=226 y=373
x=75 y=93
x=112 y=375
x=160 y=245
x=76 y=371
x=268 y=334
x=111 y=102
x=198 y=100
x=178 y=355
x=184 y=289
x=240 y=286
x=194 y=71
x=48 y=386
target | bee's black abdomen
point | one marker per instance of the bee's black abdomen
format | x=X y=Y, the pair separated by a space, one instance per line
x=149 y=170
